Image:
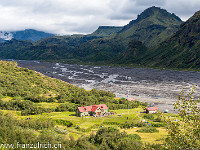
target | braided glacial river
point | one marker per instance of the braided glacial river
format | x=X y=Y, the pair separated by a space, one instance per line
x=156 y=87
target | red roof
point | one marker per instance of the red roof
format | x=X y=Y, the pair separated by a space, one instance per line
x=92 y=108
x=130 y=99
x=85 y=109
x=152 y=108
x=103 y=106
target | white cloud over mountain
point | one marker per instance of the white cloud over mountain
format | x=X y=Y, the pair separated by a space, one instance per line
x=81 y=16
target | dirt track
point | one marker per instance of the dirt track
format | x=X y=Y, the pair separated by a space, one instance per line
x=160 y=87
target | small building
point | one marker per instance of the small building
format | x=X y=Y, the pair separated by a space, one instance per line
x=94 y=110
x=151 y=110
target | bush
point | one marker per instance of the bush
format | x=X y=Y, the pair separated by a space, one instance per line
x=154 y=147
x=148 y=130
x=111 y=123
x=158 y=119
x=63 y=122
x=66 y=107
x=149 y=116
x=158 y=124
x=127 y=125
x=134 y=137
x=141 y=124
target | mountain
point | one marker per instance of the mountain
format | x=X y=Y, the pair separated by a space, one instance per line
x=28 y=34
x=182 y=50
x=105 y=31
x=135 y=52
x=152 y=26
x=105 y=45
x=51 y=48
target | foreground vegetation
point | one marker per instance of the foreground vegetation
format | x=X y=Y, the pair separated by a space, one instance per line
x=112 y=132
x=35 y=108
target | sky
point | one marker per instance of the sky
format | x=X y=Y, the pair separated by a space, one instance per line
x=82 y=16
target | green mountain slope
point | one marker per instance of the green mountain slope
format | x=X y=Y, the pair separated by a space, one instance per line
x=14 y=48
x=30 y=85
x=57 y=47
x=152 y=26
x=180 y=51
x=105 y=31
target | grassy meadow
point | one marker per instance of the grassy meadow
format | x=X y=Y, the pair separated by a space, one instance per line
x=89 y=124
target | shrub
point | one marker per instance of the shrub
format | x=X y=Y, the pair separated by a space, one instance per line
x=134 y=137
x=148 y=130
x=148 y=116
x=127 y=125
x=158 y=119
x=141 y=124
x=63 y=122
x=111 y=123
x=158 y=124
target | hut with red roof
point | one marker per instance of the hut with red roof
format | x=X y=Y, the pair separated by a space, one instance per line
x=93 y=110
x=152 y=110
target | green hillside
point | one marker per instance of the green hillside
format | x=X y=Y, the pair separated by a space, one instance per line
x=13 y=48
x=57 y=47
x=180 y=51
x=152 y=26
x=105 y=31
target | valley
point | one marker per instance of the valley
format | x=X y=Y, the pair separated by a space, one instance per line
x=156 y=87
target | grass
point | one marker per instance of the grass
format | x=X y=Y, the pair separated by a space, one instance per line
x=92 y=124
x=153 y=138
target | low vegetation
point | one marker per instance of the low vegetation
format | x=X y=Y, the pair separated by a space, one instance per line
x=49 y=116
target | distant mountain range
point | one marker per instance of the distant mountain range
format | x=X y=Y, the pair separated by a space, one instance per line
x=28 y=34
x=156 y=38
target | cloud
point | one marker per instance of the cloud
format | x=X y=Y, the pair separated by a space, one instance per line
x=183 y=8
x=81 y=16
x=150 y=2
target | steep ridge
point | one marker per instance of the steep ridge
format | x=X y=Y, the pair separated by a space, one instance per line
x=180 y=51
x=152 y=26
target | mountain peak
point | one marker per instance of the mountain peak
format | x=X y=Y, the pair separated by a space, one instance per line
x=152 y=22
x=156 y=11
